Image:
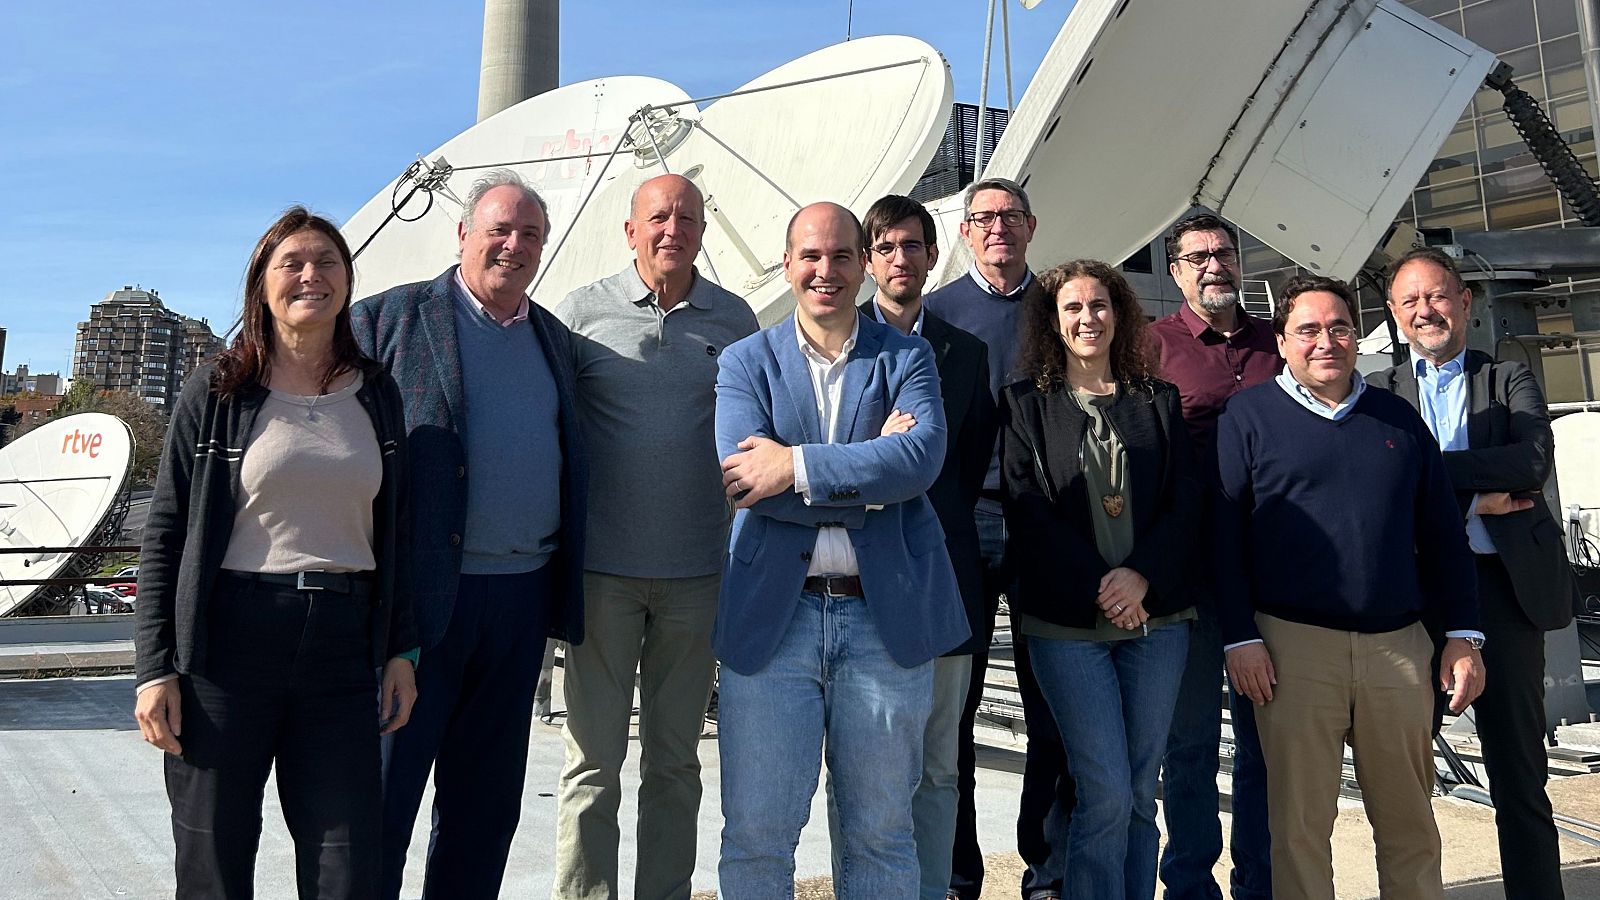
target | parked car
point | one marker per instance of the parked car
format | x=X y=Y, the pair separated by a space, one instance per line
x=128 y=572
x=98 y=600
x=125 y=588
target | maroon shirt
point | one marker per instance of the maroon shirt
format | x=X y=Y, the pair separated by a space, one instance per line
x=1209 y=368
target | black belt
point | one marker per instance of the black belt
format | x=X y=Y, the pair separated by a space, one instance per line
x=834 y=585
x=356 y=584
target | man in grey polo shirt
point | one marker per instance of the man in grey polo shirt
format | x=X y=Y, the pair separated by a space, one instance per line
x=645 y=348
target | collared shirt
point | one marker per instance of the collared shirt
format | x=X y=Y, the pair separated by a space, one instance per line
x=1305 y=398
x=833 y=553
x=986 y=284
x=916 y=326
x=646 y=382
x=1309 y=400
x=1209 y=367
x=464 y=293
x=1442 y=400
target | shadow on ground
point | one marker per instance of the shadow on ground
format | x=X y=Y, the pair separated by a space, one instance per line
x=67 y=704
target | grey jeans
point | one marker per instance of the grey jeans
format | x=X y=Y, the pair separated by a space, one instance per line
x=661 y=628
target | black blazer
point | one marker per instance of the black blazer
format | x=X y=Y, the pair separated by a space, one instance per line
x=971 y=422
x=1512 y=449
x=1047 y=504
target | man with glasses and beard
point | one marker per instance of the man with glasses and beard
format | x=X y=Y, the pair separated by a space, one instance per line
x=1211 y=349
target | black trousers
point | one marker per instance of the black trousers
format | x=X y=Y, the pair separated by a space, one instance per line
x=1048 y=792
x=288 y=680
x=1512 y=730
x=470 y=728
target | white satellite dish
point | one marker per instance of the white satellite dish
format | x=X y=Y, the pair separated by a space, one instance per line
x=57 y=483
x=1308 y=124
x=1577 y=477
x=882 y=103
x=559 y=141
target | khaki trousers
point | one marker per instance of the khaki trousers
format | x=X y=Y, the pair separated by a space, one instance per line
x=1373 y=692
x=661 y=628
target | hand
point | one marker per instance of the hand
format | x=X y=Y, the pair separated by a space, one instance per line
x=764 y=469
x=1498 y=503
x=897 y=423
x=398 y=694
x=160 y=714
x=1250 y=670
x=1461 y=669
x=1122 y=593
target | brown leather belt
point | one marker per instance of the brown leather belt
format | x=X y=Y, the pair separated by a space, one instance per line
x=834 y=585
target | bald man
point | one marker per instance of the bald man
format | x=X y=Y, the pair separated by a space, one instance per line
x=645 y=347
x=838 y=593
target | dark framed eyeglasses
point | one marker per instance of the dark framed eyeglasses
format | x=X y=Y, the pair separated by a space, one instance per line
x=909 y=248
x=1201 y=258
x=1014 y=218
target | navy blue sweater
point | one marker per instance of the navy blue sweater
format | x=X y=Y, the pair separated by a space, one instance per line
x=1347 y=524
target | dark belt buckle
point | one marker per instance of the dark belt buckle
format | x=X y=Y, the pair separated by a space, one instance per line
x=300 y=583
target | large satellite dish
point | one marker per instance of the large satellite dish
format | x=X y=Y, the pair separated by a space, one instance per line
x=884 y=100
x=57 y=484
x=1307 y=124
x=883 y=103
x=559 y=141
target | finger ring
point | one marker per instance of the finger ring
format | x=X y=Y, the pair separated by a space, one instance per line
x=1119 y=607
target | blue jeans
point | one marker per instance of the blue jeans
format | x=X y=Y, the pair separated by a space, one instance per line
x=1113 y=700
x=831 y=683
x=1194 y=828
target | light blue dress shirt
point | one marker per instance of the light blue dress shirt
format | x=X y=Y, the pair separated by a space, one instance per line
x=1442 y=398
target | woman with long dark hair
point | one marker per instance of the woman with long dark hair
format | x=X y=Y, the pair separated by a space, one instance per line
x=1101 y=502
x=267 y=583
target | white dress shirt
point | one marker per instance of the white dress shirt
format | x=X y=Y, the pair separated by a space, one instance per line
x=833 y=553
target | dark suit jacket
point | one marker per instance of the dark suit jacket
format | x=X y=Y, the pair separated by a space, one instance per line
x=1512 y=449
x=1046 y=500
x=411 y=330
x=971 y=422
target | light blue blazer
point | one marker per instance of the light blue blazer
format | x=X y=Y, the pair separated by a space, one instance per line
x=764 y=388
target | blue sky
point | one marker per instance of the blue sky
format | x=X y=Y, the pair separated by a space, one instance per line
x=150 y=143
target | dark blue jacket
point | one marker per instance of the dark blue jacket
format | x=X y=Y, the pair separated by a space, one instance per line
x=411 y=330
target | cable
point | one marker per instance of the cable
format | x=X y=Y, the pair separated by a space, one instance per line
x=1547 y=145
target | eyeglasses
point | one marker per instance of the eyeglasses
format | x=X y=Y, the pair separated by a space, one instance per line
x=1201 y=258
x=910 y=248
x=1014 y=218
x=1308 y=334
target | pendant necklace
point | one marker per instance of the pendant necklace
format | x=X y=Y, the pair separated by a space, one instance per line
x=1113 y=502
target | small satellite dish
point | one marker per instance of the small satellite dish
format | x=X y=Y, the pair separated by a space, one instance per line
x=559 y=141
x=847 y=123
x=1577 y=477
x=57 y=483
x=1308 y=124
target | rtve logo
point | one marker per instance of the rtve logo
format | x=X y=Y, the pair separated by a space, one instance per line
x=78 y=443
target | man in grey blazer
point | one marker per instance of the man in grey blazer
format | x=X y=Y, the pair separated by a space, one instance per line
x=1491 y=422
x=838 y=592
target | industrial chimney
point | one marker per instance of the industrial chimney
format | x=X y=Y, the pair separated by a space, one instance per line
x=521 y=45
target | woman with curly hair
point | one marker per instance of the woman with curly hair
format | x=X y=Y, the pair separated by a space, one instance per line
x=1102 y=501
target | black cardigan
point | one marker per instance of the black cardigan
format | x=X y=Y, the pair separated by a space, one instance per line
x=1046 y=501
x=191 y=520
